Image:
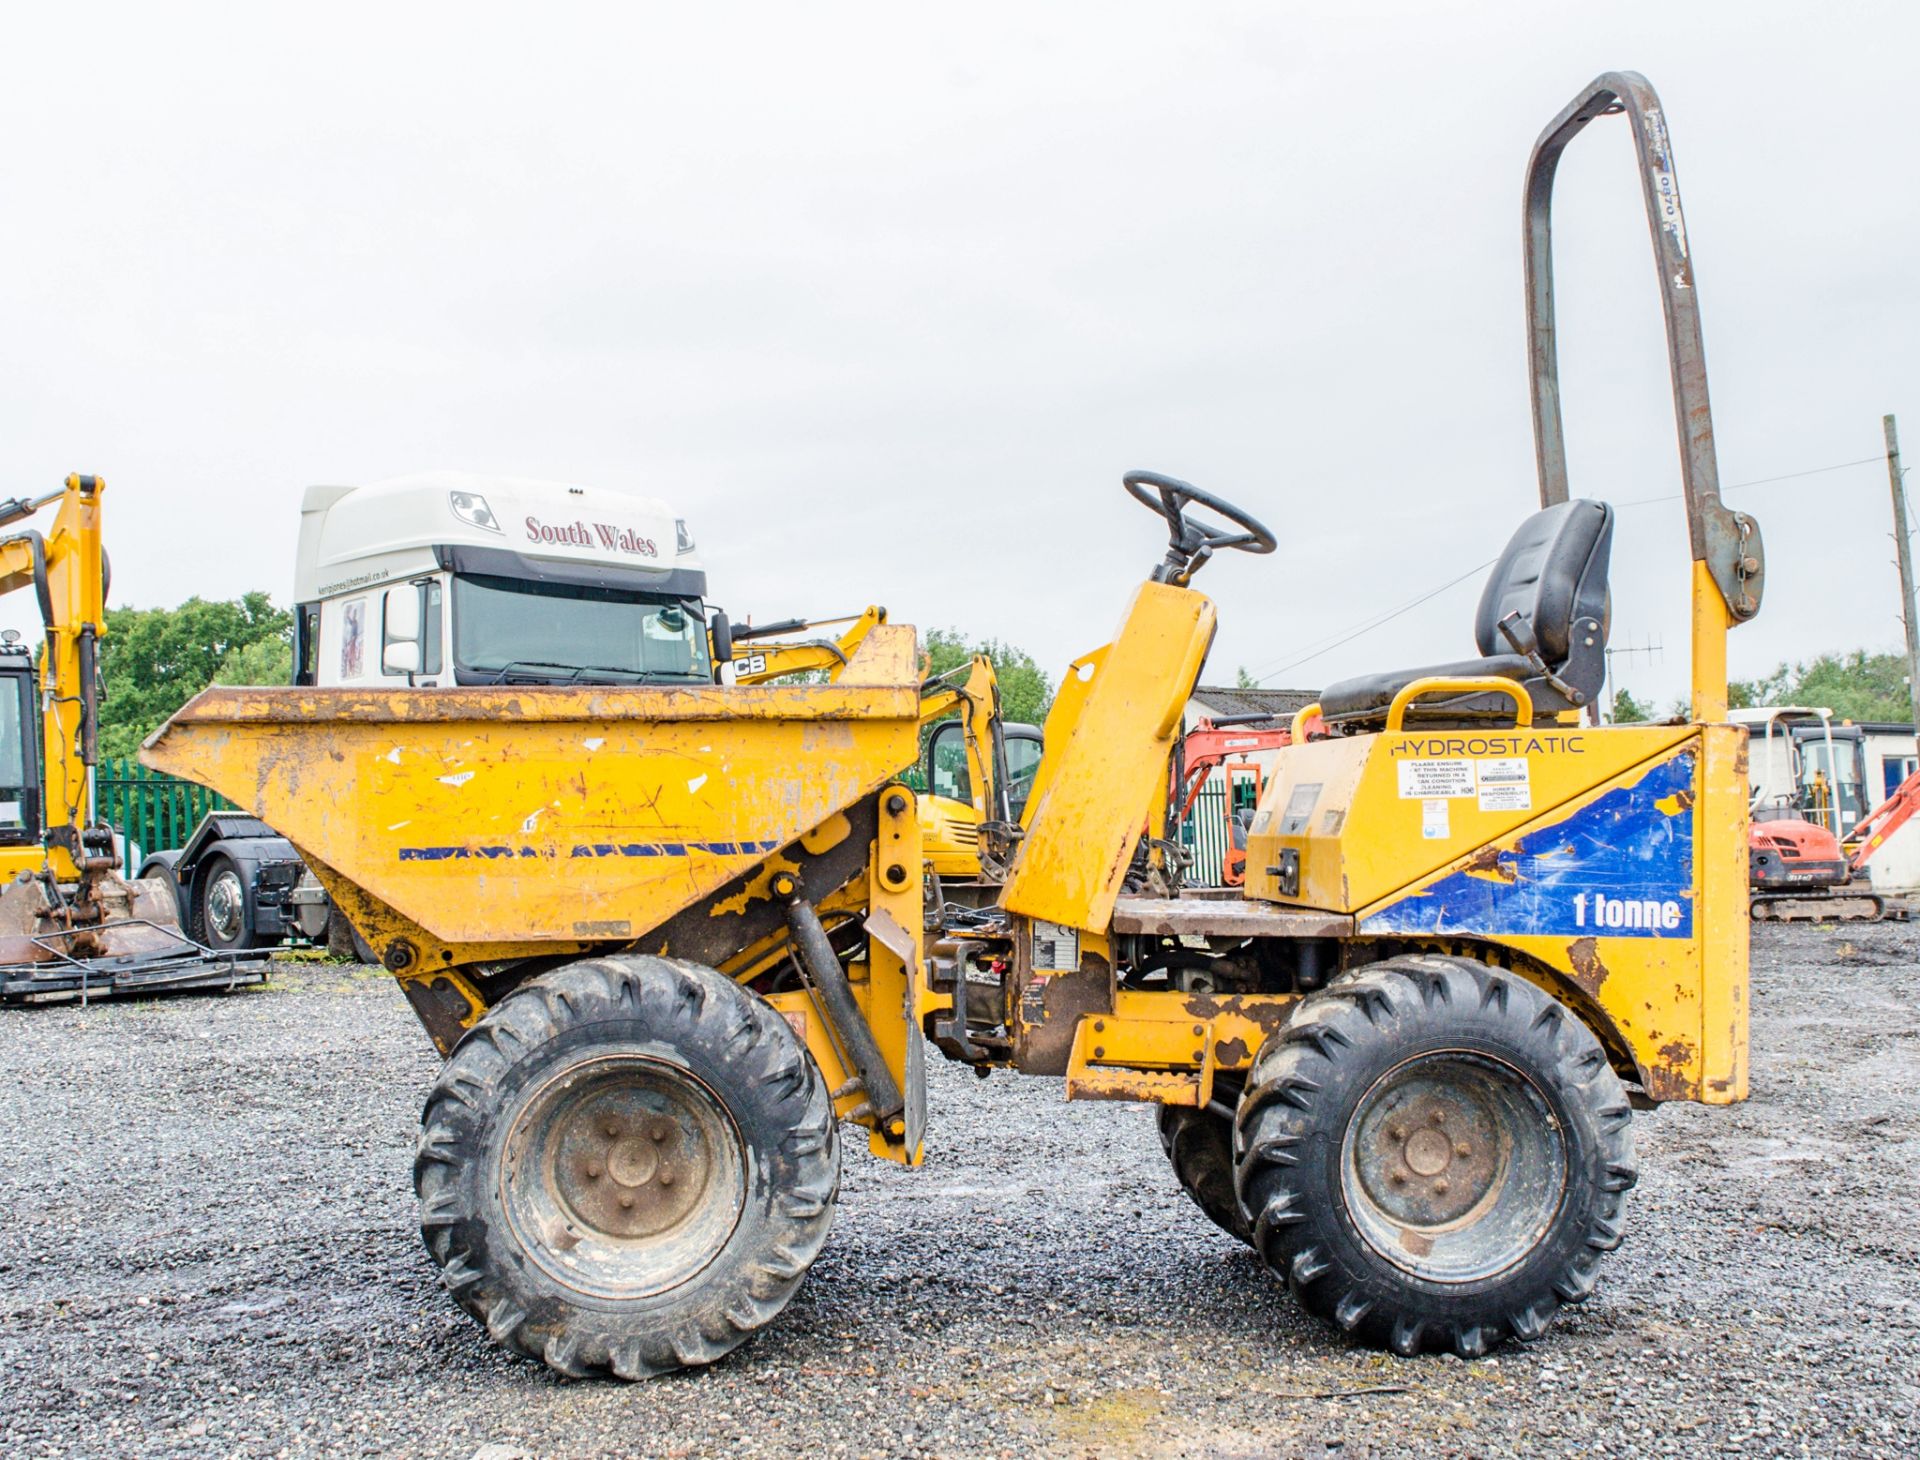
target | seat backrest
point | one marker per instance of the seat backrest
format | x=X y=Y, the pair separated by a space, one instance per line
x=1553 y=574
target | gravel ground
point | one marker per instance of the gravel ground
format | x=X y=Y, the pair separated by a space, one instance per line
x=210 y=1250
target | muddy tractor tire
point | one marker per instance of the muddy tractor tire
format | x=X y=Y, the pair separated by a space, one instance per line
x=627 y=1167
x=1434 y=1154
x=1199 y=1147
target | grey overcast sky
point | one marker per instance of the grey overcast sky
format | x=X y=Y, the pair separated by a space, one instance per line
x=885 y=298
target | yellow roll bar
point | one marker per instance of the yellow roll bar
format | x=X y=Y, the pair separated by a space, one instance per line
x=1472 y=684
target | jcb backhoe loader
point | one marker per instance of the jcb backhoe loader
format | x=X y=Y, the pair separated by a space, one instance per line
x=669 y=940
x=69 y=923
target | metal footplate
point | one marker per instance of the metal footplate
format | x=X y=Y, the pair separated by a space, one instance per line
x=176 y=963
x=1167 y=1061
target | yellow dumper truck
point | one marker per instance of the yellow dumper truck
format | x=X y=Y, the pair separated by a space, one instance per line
x=671 y=943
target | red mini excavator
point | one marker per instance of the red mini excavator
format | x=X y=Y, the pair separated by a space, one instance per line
x=1801 y=872
x=1224 y=743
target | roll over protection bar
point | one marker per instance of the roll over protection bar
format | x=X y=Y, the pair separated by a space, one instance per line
x=1727 y=542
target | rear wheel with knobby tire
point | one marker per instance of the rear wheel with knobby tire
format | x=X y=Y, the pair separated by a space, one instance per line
x=1199 y=1146
x=1434 y=1154
x=627 y=1166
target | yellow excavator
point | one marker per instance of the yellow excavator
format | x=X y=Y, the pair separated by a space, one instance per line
x=976 y=768
x=69 y=923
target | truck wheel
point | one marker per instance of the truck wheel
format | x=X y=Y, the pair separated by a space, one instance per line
x=1434 y=1153
x=627 y=1166
x=1199 y=1144
x=223 y=918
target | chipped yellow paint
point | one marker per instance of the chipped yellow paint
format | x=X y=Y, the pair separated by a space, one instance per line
x=1671 y=1009
x=690 y=788
x=1107 y=743
x=1339 y=803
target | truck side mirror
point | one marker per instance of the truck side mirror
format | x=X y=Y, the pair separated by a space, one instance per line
x=403 y=618
x=401 y=658
x=720 y=630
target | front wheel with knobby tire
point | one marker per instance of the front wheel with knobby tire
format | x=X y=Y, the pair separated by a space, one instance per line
x=627 y=1166
x=1434 y=1154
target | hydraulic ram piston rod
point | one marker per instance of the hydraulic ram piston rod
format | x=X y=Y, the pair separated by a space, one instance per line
x=822 y=967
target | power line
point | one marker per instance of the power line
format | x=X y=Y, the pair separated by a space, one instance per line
x=1762 y=481
x=1384 y=618
x=1348 y=636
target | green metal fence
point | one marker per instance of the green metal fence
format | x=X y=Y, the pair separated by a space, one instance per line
x=1204 y=835
x=151 y=812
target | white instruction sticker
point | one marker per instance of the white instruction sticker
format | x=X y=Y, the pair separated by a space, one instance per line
x=1433 y=821
x=1505 y=785
x=1420 y=779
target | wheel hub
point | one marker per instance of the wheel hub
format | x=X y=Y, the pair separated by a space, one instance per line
x=624 y=1176
x=628 y=1166
x=1453 y=1166
x=1428 y=1159
x=225 y=900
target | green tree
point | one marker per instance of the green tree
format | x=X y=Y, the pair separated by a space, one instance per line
x=154 y=660
x=1629 y=711
x=1856 y=686
x=1025 y=691
x=264 y=661
x=1243 y=679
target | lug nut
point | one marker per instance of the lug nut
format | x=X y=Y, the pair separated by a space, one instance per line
x=1461 y=1148
x=1439 y=1117
x=659 y=1133
x=626 y=1201
x=1440 y=1187
x=1394 y=1133
x=1398 y=1178
x=593 y=1171
x=612 y=1131
x=666 y=1178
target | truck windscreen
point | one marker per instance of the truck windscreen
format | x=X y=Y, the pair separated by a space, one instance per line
x=508 y=630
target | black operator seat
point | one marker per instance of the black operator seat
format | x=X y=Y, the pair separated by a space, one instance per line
x=1543 y=621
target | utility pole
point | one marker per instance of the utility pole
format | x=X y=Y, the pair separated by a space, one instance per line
x=1901 y=542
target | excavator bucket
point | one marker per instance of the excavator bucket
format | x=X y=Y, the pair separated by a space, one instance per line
x=111 y=935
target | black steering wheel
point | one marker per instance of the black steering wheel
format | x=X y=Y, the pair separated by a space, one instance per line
x=1191 y=543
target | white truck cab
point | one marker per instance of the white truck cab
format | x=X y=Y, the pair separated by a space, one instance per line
x=444 y=578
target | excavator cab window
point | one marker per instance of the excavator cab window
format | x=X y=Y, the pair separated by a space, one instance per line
x=947 y=762
x=1833 y=787
x=1023 y=764
x=19 y=751
x=947 y=773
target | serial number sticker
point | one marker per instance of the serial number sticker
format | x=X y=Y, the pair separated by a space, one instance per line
x=609 y=928
x=1422 y=780
x=1433 y=820
x=1056 y=949
x=1506 y=785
